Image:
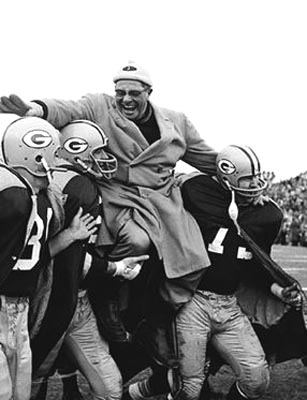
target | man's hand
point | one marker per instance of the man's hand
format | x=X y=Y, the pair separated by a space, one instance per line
x=82 y=226
x=13 y=104
x=290 y=294
x=127 y=268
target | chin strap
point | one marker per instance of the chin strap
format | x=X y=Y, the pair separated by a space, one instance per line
x=47 y=169
x=233 y=210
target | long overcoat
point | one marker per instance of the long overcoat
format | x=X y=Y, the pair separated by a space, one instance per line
x=144 y=186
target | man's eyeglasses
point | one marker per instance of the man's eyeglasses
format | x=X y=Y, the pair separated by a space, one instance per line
x=131 y=93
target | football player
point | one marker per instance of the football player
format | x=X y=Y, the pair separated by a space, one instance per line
x=69 y=318
x=225 y=206
x=31 y=235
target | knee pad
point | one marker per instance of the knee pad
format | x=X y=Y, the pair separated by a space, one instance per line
x=39 y=389
x=256 y=383
x=185 y=389
x=114 y=393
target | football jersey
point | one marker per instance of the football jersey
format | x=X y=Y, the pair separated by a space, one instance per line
x=231 y=258
x=81 y=191
x=20 y=262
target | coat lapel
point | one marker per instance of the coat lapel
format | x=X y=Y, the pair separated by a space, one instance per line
x=135 y=137
x=166 y=128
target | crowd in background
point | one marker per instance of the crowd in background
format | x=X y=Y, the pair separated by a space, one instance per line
x=290 y=195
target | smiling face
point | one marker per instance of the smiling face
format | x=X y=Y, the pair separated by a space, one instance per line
x=131 y=98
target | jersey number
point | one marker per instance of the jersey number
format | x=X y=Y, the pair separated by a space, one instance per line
x=34 y=244
x=217 y=247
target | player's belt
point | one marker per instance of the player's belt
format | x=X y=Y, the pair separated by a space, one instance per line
x=215 y=296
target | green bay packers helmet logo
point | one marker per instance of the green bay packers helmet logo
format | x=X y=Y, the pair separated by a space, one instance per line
x=37 y=139
x=226 y=167
x=76 y=145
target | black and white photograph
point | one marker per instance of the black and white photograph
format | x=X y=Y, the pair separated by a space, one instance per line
x=153 y=200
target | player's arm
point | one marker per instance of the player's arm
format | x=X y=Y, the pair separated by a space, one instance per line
x=81 y=228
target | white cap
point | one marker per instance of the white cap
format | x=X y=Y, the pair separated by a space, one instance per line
x=134 y=72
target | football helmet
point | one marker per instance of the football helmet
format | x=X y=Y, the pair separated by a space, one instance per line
x=83 y=143
x=31 y=143
x=236 y=162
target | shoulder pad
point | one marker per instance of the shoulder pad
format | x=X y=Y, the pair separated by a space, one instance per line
x=182 y=177
x=62 y=178
x=9 y=179
x=273 y=202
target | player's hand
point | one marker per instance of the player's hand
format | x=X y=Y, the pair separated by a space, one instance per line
x=13 y=104
x=129 y=267
x=290 y=294
x=82 y=226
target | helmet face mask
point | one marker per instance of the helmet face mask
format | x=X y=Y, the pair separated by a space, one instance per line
x=83 y=144
x=238 y=169
x=31 y=144
x=103 y=162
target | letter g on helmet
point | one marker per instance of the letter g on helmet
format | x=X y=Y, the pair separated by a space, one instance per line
x=75 y=145
x=226 y=167
x=37 y=139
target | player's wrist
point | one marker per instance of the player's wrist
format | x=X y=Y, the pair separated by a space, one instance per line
x=277 y=290
x=111 y=268
x=68 y=235
x=38 y=109
x=119 y=268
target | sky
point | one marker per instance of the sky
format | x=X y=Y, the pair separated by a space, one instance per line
x=236 y=68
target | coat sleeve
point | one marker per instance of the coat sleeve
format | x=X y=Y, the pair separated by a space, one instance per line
x=198 y=153
x=60 y=112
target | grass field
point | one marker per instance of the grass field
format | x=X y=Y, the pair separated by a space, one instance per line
x=288 y=379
